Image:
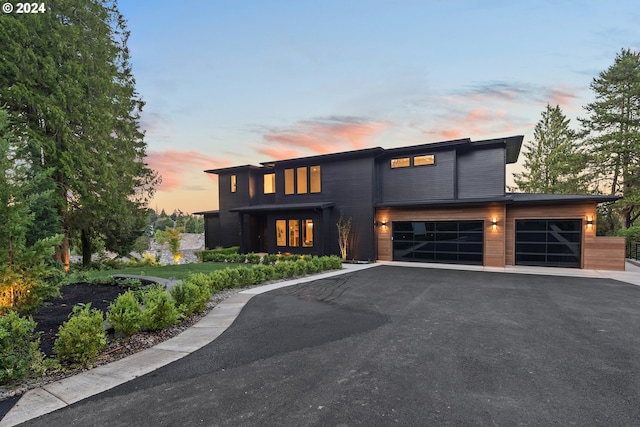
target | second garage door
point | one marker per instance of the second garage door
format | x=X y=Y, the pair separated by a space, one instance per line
x=549 y=242
x=459 y=242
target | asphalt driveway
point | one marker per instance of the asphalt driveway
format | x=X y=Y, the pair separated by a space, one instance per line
x=402 y=346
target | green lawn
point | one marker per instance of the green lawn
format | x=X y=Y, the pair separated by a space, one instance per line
x=165 y=271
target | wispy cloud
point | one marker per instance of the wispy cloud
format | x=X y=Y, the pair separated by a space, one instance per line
x=474 y=123
x=562 y=97
x=321 y=136
x=157 y=127
x=176 y=165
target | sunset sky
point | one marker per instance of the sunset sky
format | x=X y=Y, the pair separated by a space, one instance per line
x=243 y=82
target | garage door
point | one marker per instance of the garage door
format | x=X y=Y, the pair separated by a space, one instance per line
x=459 y=242
x=551 y=242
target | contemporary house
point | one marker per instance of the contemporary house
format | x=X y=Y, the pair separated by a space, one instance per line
x=442 y=202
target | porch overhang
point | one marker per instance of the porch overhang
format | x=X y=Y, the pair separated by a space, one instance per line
x=281 y=207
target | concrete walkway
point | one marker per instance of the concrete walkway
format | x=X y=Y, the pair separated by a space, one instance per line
x=59 y=394
x=630 y=275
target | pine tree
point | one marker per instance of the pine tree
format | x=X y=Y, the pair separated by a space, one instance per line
x=553 y=162
x=67 y=81
x=24 y=266
x=613 y=129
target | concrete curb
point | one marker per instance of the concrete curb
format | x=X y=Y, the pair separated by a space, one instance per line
x=57 y=395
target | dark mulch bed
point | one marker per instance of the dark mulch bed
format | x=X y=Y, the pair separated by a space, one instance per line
x=50 y=317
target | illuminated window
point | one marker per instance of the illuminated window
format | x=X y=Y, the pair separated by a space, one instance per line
x=269 y=183
x=315 y=179
x=307 y=233
x=302 y=180
x=294 y=232
x=403 y=162
x=288 y=181
x=234 y=184
x=281 y=232
x=424 y=160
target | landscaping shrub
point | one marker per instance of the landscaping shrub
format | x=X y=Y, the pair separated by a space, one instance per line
x=253 y=258
x=203 y=281
x=269 y=259
x=18 y=347
x=217 y=255
x=220 y=280
x=263 y=272
x=247 y=276
x=159 y=309
x=125 y=314
x=190 y=298
x=81 y=338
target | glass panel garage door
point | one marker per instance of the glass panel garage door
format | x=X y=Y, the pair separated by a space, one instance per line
x=459 y=242
x=552 y=243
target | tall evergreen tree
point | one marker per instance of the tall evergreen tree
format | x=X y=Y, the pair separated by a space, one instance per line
x=24 y=266
x=66 y=78
x=553 y=162
x=613 y=134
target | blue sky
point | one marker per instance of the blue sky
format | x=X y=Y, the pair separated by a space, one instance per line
x=243 y=82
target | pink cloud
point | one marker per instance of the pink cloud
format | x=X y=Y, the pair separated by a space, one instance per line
x=322 y=136
x=561 y=97
x=175 y=165
x=475 y=123
x=280 y=153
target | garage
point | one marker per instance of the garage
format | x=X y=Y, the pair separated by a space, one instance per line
x=453 y=242
x=549 y=242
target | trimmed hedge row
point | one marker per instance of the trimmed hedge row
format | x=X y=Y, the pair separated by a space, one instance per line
x=215 y=255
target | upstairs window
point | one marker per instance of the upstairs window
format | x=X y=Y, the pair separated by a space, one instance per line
x=234 y=183
x=289 y=185
x=315 y=179
x=428 y=159
x=269 y=183
x=302 y=180
x=403 y=162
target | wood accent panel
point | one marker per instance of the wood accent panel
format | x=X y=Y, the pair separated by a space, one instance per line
x=581 y=211
x=604 y=253
x=494 y=240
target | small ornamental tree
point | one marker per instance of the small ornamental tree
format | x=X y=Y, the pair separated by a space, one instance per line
x=172 y=237
x=344 y=235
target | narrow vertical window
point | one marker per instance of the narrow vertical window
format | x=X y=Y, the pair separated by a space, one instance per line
x=302 y=180
x=269 y=183
x=234 y=184
x=315 y=179
x=289 y=187
x=281 y=232
x=307 y=233
x=294 y=232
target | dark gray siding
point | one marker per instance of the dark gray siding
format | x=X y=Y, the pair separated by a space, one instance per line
x=212 y=231
x=417 y=183
x=349 y=185
x=481 y=173
x=230 y=221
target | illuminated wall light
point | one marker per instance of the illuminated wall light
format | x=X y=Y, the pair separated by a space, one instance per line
x=382 y=223
x=494 y=223
x=589 y=222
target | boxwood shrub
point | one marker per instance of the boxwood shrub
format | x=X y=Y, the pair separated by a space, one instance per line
x=18 y=347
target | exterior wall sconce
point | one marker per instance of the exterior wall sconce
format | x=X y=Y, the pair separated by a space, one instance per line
x=494 y=223
x=382 y=223
x=589 y=223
